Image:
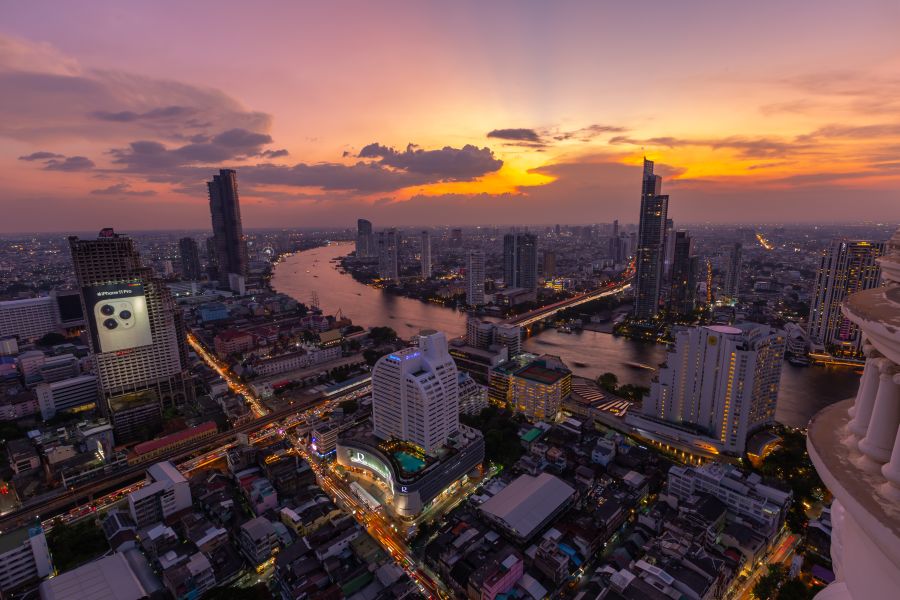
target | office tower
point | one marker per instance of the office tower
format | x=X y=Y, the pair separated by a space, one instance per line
x=29 y=319
x=479 y=334
x=682 y=295
x=228 y=234
x=24 y=558
x=72 y=394
x=456 y=238
x=538 y=389
x=388 y=255
x=475 y=278
x=520 y=260
x=190 y=258
x=846 y=267
x=165 y=497
x=670 y=248
x=510 y=337
x=137 y=334
x=855 y=448
x=426 y=255
x=733 y=271
x=719 y=385
x=651 y=245
x=365 y=242
x=615 y=228
x=415 y=397
x=549 y=264
x=212 y=265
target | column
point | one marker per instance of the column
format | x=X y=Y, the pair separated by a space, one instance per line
x=865 y=397
x=891 y=470
x=879 y=440
x=869 y=352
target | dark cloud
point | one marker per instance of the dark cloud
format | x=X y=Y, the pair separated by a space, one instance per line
x=53 y=97
x=446 y=164
x=41 y=155
x=71 y=163
x=127 y=116
x=275 y=153
x=241 y=138
x=746 y=147
x=586 y=134
x=364 y=177
x=122 y=189
x=518 y=135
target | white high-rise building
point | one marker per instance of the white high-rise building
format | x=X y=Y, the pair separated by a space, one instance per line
x=847 y=267
x=415 y=395
x=733 y=271
x=509 y=336
x=475 y=278
x=29 y=319
x=855 y=447
x=719 y=385
x=426 y=254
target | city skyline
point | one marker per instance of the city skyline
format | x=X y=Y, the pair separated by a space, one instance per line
x=531 y=112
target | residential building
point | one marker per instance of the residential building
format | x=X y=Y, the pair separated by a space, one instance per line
x=683 y=275
x=119 y=576
x=719 y=385
x=472 y=396
x=68 y=394
x=847 y=267
x=415 y=397
x=228 y=235
x=166 y=496
x=140 y=352
x=744 y=494
x=539 y=388
x=258 y=540
x=365 y=242
x=388 y=248
x=425 y=257
x=189 y=253
x=526 y=505
x=29 y=319
x=549 y=266
x=24 y=558
x=650 y=255
x=475 y=278
x=855 y=448
x=520 y=264
x=732 y=285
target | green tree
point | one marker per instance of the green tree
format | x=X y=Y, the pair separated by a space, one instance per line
x=795 y=589
x=73 y=545
x=381 y=335
x=257 y=592
x=51 y=339
x=609 y=382
x=767 y=586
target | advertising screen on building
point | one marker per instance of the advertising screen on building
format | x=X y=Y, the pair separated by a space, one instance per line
x=117 y=315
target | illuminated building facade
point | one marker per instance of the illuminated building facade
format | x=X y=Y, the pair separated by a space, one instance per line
x=388 y=248
x=534 y=387
x=365 y=242
x=847 y=267
x=475 y=278
x=520 y=264
x=426 y=254
x=414 y=393
x=228 y=234
x=719 y=385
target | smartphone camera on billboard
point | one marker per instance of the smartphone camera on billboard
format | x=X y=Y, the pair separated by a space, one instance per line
x=119 y=318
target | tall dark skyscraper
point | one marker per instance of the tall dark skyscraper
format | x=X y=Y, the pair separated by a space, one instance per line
x=365 y=241
x=228 y=234
x=520 y=264
x=733 y=271
x=684 y=274
x=136 y=334
x=650 y=254
x=190 y=258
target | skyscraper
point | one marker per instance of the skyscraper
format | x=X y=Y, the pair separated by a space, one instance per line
x=426 y=254
x=651 y=245
x=190 y=258
x=137 y=334
x=718 y=386
x=847 y=267
x=388 y=255
x=415 y=396
x=520 y=260
x=456 y=238
x=733 y=271
x=365 y=243
x=475 y=278
x=549 y=264
x=670 y=249
x=684 y=274
x=228 y=234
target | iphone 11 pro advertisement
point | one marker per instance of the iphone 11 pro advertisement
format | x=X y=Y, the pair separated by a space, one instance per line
x=117 y=315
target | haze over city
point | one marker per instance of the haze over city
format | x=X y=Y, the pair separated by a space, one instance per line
x=459 y=113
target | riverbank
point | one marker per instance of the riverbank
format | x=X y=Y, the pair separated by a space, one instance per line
x=803 y=391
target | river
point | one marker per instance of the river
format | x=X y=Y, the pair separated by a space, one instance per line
x=803 y=391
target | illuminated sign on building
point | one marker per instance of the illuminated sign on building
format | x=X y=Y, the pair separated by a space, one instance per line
x=373 y=464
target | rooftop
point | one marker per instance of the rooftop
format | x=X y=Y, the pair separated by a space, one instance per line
x=525 y=503
x=108 y=578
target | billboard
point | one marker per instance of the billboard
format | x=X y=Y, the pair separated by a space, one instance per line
x=117 y=316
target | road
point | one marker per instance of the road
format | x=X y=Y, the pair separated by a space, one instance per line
x=782 y=553
x=543 y=312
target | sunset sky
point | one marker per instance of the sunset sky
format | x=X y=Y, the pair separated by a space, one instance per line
x=115 y=113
